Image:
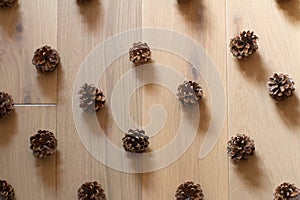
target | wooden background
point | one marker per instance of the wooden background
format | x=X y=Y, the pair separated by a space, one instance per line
x=44 y=101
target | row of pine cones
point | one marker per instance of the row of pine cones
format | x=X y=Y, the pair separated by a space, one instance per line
x=93 y=190
x=280 y=87
x=9 y=3
x=93 y=99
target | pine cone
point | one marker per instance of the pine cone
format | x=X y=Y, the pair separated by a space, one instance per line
x=281 y=86
x=83 y=1
x=7 y=3
x=46 y=59
x=91 y=191
x=190 y=92
x=6 y=104
x=91 y=98
x=243 y=45
x=135 y=141
x=286 y=191
x=6 y=191
x=240 y=147
x=140 y=53
x=190 y=191
x=43 y=144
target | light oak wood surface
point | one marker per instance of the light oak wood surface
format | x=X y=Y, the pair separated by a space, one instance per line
x=44 y=101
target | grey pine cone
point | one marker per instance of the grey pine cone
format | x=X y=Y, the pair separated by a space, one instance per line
x=140 y=53
x=91 y=191
x=190 y=92
x=281 y=86
x=46 y=59
x=43 y=144
x=135 y=141
x=243 y=45
x=6 y=104
x=91 y=98
x=189 y=190
x=7 y=3
x=240 y=147
x=6 y=191
x=286 y=191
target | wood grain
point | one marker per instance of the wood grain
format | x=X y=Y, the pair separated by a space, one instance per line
x=31 y=178
x=273 y=126
x=194 y=19
x=25 y=27
x=76 y=29
x=96 y=22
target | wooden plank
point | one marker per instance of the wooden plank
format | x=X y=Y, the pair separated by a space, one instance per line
x=196 y=19
x=272 y=125
x=94 y=23
x=25 y=27
x=31 y=178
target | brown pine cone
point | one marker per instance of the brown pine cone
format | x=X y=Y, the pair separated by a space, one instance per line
x=286 y=191
x=6 y=191
x=6 y=104
x=140 y=53
x=135 y=141
x=46 y=59
x=281 y=86
x=243 y=45
x=7 y=3
x=189 y=190
x=91 y=191
x=240 y=147
x=190 y=92
x=83 y=1
x=43 y=144
x=91 y=98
